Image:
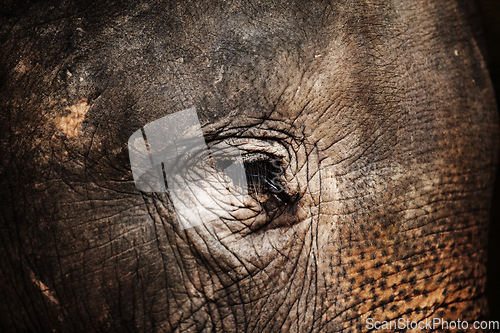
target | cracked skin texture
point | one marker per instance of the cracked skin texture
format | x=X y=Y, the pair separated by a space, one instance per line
x=382 y=113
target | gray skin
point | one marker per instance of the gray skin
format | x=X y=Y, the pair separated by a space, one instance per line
x=381 y=114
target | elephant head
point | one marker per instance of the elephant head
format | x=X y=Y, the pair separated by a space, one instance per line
x=345 y=158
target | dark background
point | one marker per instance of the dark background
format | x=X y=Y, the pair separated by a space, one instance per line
x=490 y=11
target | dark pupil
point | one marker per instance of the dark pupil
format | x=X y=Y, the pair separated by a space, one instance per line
x=263 y=177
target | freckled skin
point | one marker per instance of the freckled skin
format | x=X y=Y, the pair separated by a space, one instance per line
x=381 y=113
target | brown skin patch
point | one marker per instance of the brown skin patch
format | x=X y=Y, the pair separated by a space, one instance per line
x=70 y=124
x=46 y=291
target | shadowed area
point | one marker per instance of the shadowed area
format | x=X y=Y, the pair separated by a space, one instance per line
x=490 y=11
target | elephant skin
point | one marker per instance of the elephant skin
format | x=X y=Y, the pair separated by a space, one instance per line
x=379 y=115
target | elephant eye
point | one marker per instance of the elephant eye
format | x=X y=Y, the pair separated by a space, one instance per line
x=265 y=180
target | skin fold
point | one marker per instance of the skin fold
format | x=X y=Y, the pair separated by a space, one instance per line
x=379 y=116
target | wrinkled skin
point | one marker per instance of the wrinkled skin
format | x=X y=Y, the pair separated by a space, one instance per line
x=381 y=113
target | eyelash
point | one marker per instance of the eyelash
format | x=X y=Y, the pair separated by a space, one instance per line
x=265 y=176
